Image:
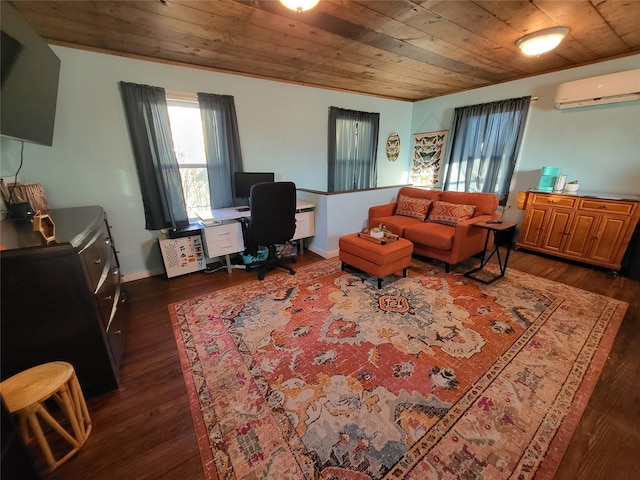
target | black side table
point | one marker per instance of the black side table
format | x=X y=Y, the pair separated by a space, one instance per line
x=503 y=237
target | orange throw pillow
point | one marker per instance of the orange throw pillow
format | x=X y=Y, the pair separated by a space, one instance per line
x=413 y=207
x=450 y=213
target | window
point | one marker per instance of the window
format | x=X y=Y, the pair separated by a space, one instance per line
x=353 y=143
x=160 y=173
x=485 y=143
x=188 y=144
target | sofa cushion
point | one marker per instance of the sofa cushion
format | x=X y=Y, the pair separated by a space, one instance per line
x=416 y=192
x=450 y=213
x=486 y=203
x=432 y=235
x=413 y=207
x=394 y=223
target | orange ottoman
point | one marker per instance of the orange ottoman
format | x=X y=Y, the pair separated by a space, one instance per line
x=374 y=258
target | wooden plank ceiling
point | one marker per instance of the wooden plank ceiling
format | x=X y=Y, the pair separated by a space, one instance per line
x=406 y=49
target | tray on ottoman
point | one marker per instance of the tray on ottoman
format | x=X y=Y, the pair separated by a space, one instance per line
x=388 y=237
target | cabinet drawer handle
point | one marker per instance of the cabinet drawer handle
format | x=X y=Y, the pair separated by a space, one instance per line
x=117 y=332
x=109 y=297
x=603 y=206
x=107 y=241
x=97 y=261
x=552 y=201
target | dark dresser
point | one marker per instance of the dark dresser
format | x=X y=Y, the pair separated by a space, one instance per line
x=64 y=300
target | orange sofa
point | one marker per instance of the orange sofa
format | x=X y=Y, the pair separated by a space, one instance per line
x=439 y=224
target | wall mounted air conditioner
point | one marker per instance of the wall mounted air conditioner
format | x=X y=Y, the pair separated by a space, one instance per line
x=611 y=88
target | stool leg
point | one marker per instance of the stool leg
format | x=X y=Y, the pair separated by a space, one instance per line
x=81 y=406
x=40 y=438
x=56 y=426
x=379 y=283
x=23 y=426
x=75 y=404
x=63 y=400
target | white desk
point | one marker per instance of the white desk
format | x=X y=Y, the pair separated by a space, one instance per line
x=223 y=232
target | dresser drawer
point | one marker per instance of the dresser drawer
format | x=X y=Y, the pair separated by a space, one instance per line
x=107 y=296
x=609 y=206
x=115 y=330
x=304 y=225
x=225 y=247
x=95 y=256
x=223 y=239
x=222 y=232
x=554 y=200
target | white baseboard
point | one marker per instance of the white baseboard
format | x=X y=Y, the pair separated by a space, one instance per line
x=323 y=253
x=130 y=277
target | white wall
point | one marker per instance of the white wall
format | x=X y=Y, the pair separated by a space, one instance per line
x=599 y=146
x=341 y=213
x=283 y=128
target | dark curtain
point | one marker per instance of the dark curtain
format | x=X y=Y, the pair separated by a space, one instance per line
x=485 y=142
x=158 y=173
x=353 y=143
x=222 y=146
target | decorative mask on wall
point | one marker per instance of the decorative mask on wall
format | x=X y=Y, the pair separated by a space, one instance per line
x=393 y=147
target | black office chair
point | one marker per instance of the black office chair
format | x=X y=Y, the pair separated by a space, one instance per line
x=272 y=221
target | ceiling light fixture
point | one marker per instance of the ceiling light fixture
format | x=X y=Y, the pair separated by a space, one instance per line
x=542 y=41
x=299 y=5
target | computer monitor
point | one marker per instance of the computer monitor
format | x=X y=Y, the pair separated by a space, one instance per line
x=245 y=180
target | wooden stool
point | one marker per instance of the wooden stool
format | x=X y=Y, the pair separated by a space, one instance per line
x=373 y=258
x=25 y=394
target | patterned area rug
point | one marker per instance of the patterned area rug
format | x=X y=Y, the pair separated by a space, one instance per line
x=323 y=376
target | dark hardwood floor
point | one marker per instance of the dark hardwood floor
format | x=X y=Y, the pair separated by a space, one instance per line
x=144 y=430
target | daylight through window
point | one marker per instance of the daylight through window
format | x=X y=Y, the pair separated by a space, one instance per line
x=188 y=144
x=486 y=140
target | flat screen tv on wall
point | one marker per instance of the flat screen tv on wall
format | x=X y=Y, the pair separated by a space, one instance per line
x=29 y=81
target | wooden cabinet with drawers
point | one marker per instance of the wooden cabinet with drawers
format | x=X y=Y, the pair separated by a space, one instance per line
x=589 y=229
x=64 y=300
